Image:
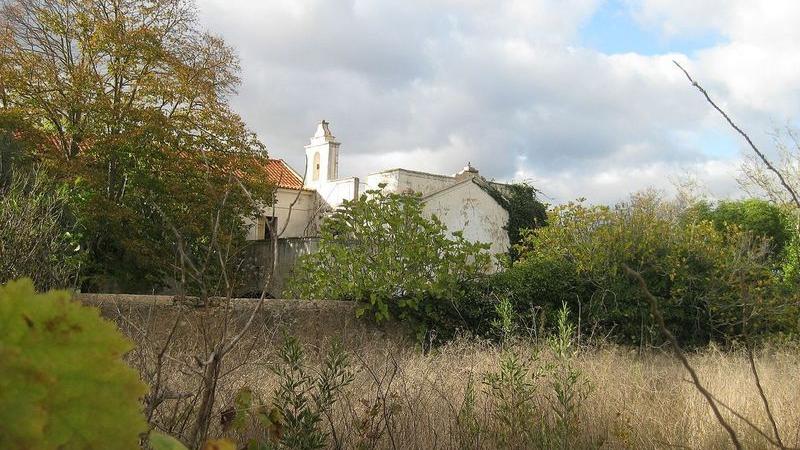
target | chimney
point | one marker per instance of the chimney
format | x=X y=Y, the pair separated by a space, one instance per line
x=467 y=172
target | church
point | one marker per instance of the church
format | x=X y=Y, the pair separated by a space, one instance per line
x=461 y=201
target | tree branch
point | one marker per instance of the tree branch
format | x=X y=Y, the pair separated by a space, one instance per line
x=758 y=152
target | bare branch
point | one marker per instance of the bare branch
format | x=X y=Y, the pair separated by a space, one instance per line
x=758 y=152
x=764 y=398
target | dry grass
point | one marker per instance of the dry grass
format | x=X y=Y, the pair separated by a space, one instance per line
x=637 y=400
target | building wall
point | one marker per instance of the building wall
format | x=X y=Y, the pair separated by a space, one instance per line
x=470 y=209
x=258 y=264
x=302 y=223
x=402 y=181
x=335 y=192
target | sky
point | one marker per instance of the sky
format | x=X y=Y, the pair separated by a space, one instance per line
x=578 y=97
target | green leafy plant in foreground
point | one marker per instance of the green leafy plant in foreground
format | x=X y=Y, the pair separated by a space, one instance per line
x=63 y=383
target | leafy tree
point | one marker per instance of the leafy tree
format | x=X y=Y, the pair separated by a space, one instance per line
x=64 y=384
x=132 y=99
x=382 y=251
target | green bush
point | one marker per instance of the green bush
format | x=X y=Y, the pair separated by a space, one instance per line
x=63 y=384
x=38 y=237
x=712 y=283
x=759 y=217
x=380 y=250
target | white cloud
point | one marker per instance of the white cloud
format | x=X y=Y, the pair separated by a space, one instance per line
x=431 y=85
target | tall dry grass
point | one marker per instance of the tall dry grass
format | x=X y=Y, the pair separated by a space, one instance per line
x=404 y=398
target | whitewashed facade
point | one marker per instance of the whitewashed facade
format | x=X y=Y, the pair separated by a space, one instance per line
x=460 y=201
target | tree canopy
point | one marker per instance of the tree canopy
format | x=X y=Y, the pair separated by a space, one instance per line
x=129 y=100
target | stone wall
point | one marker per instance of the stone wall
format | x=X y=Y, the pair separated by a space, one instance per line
x=312 y=321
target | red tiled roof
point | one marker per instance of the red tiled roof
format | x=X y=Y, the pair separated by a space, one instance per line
x=281 y=175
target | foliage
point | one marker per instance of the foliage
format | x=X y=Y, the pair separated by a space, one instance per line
x=505 y=323
x=38 y=238
x=382 y=251
x=791 y=266
x=64 y=384
x=762 y=218
x=294 y=419
x=519 y=419
x=512 y=391
x=131 y=111
x=698 y=272
x=525 y=211
x=570 y=388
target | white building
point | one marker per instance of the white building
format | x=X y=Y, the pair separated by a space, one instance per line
x=461 y=201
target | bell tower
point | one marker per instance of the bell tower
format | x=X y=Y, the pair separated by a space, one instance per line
x=322 y=154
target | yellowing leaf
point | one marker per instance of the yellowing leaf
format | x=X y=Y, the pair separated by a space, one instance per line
x=161 y=441
x=64 y=383
x=219 y=444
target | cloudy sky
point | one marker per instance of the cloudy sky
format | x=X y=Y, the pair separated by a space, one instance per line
x=579 y=97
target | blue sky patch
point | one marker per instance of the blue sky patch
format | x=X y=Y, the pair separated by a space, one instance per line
x=613 y=29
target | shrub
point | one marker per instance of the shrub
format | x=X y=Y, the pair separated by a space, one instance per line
x=64 y=384
x=380 y=250
x=711 y=283
x=302 y=402
x=760 y=217
x=37 y=238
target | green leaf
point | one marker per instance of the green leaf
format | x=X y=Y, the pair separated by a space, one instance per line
x=64 y=383
x=162 y=441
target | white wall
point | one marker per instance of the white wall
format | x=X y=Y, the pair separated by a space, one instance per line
x=467 y=207
x=303 y=220
x=403 y=181
x=335 y=192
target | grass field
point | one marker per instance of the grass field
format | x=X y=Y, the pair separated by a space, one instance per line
x=402 y=397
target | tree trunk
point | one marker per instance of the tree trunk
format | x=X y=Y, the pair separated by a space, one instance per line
x=208 y=393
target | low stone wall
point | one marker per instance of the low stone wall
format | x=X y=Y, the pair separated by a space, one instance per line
x=313 y=321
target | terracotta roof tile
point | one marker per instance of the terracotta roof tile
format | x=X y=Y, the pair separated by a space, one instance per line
x=280 y=174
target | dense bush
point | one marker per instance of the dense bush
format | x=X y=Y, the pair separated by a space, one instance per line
x=712 y=282
x=64 y=384
x=760 y=217
x=382 y=251
x=38 y=237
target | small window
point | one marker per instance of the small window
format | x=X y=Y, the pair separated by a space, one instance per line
x=315 y=173
x=270 y=226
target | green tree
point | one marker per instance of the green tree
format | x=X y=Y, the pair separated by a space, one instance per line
x=64 y=384
x=132 y=99
x=382 y=251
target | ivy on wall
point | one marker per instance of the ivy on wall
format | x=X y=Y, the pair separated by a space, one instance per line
x=525 y=211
